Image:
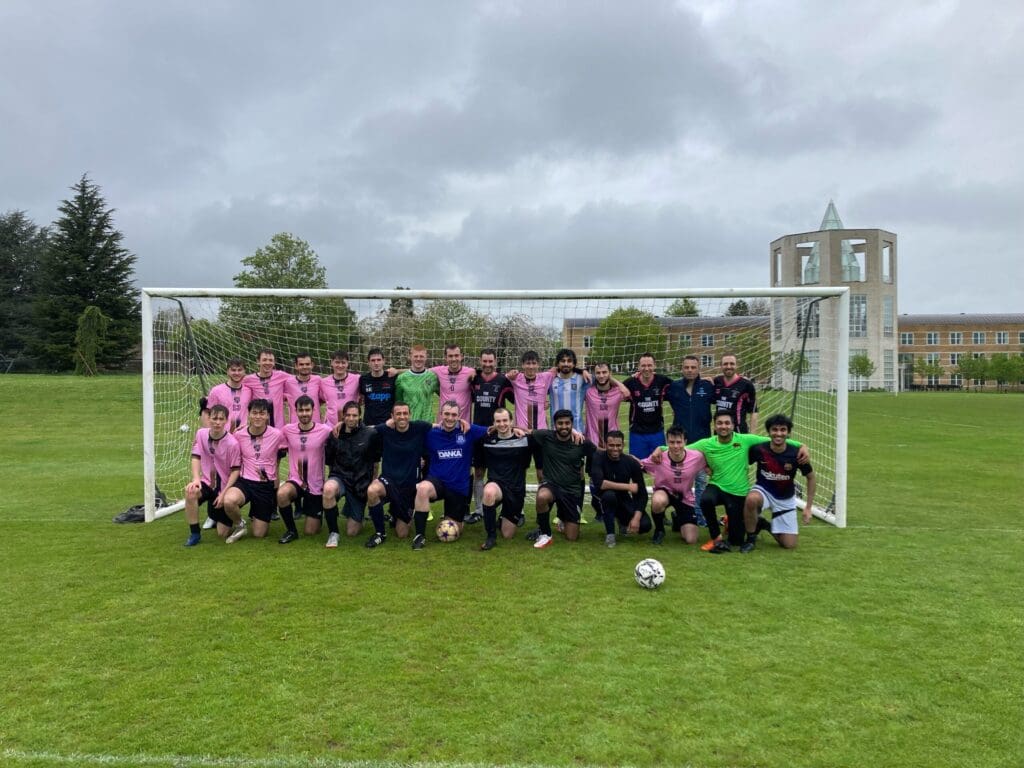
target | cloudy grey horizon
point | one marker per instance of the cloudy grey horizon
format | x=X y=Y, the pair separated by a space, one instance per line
x=528 y=145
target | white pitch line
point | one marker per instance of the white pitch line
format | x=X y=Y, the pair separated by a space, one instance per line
x=230 y=761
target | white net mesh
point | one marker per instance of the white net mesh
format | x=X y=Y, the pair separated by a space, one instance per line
x=194 y=337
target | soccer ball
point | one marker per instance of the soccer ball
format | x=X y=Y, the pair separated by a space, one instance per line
x=649 y=573
x=447 y=530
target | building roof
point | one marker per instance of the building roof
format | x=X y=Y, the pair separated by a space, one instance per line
x=682 y=323
x=962 y=319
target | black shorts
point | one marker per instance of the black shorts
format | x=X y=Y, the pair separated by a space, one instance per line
x=355 y=501
x=311 y=504
x=682 y=513
x=261 y=496
x=209 y=495
x=456 y=505
x=401 y=499
x=568 y=503
x=479 y=455
x=512 y=501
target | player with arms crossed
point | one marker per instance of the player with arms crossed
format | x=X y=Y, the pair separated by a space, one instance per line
x=305 y=440
x=351 y=454
x=619 y=480
x=268 y=384
x=491 y=390
x=647 y=393
x=449 y=456
x=564 y=455
x=507 y=456
x=417 y=385
x=775 y=489
x=216 y=461
x=673 y=487
x=259 y=444
x=737 y=395
x=403 y=444
x=339 y=387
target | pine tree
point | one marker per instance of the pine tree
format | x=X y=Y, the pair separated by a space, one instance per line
x=85 y=265
x=22 y=248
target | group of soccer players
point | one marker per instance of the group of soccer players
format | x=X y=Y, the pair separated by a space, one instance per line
x=366 y=440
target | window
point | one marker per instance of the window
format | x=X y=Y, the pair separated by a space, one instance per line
x=1020 y=337
x=810 y=262
x=886 y=262
x=978 y=356
x=706 y=361
x=956 y=338
x=956 y=379
x=1002 y=337
x=932 y=358
x=707 y=340
x=777 y=319
x=588 y=342
x=954 y=358
x=858 y=315
x=887 y=317
x=888 y=370
x=685 y=340
x=813 y=322
x=907 y=338
x=932 y=338
x=851 y=255
x=810 y=378
x=777 y=266
x=978 y=337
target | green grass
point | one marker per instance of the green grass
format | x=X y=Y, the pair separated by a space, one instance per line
x=895 y=642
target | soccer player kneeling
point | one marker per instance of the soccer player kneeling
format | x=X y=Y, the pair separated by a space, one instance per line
x=216 y=461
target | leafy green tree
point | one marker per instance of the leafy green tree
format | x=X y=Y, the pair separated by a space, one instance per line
x=627 y=333
x=683 y=308
x=513 y=335
x=85 y=264
x=753 y=353
x=793 y=362
x=288 y=325
x=971 y=368
x=1006 y=369
x=446 y=322
x=738 y=308
x=22 y=249
x=924 y=369
x=861 y=368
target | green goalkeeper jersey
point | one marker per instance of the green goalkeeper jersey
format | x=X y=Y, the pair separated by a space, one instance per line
x=729 y=461
x=417 y=390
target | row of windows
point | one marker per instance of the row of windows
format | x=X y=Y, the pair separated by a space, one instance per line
x=931 y=338
x=683 y=340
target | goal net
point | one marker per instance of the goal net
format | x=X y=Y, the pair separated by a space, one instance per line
x=787 y=341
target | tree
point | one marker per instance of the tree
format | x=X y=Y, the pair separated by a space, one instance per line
x=1006 y=369
x=92 y=329
x=289 y=325
x=971 y=368
x=627 y=333
x=924 y=369
x=85 y=264
x=513 y=335
x=760 y=307
x=793 y=362
x=861 y=368
x=446 y=322
x=738 y=308
x=683 y=308
x=22 y=249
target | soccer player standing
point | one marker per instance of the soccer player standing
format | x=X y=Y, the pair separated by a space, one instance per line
x=303 y=383
x=530 y=391
x=305 y=440
x=455 y=381
x=647 y=393
x=377 y=389
x=775 y=489
x=692 y=399
x=339 y=387
x=603 y=399
x=737 y=395
x=491 y=390
x=449 y=456
x=417 y=386
x=569 y=387
x=268 y=384
x=619 y=480
x=232 y=394
x=216 y=461
x=259 y=444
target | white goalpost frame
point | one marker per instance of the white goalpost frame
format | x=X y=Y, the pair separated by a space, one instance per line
x=841 y=383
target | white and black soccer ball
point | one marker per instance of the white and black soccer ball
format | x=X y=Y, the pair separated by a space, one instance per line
x=447 y=530
x=649 y=573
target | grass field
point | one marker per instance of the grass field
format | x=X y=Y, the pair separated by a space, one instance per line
x=898 y=641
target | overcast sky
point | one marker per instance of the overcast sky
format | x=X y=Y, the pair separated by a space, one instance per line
x=528 y=144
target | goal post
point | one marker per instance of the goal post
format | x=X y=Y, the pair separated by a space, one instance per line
x=792 y=342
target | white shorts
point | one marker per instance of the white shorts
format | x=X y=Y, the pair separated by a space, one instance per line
x=784 y=519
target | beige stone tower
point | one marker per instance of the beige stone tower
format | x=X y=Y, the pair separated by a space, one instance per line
x=863 y=259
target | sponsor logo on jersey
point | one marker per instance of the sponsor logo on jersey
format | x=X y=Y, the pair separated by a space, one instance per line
x=452 y=453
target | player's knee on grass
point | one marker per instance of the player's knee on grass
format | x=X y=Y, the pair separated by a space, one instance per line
x=572 y=531
x=259 y=528
x=508 y=528
x=312 y=526
x=787 y=540
x=353 y=527
x=689 y=533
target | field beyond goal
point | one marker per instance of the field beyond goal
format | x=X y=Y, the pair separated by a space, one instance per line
x=792 y=343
